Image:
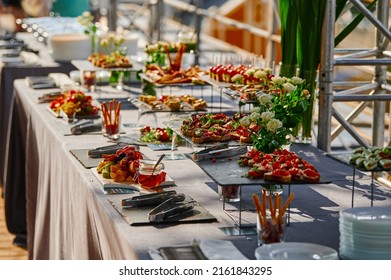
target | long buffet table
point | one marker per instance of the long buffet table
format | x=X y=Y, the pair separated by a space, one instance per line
x=69 y=216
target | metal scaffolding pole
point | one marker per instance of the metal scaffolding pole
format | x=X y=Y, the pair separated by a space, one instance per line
x=326 y=79
x=112 y=15
x=197 y=28
x=379 y=96
x=379 y=108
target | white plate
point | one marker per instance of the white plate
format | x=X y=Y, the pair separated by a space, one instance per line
x=295 y=251
x=348 y=253
x=366 y=213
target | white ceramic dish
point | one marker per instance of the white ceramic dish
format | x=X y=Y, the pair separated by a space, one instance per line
x=295 y=251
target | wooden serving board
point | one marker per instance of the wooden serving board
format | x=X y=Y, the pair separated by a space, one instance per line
x=109 y=183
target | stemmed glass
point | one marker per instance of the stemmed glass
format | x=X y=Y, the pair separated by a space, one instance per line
x=120 y=83
x=172 y=155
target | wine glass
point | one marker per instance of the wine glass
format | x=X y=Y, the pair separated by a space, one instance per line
x=172 y=155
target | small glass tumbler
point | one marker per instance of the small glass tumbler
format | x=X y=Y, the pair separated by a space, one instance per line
x=150 y=175
x=271 y=230
x=88 y=80
x=229 y=193
x=111 y=128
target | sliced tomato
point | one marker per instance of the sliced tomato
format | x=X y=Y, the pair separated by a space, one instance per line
x=293 y=171
x=276 y=165
x=109 y=157
x=311 y=173
x=254 y=173
x=280 y=172
x=253 y=153
x=288 y=164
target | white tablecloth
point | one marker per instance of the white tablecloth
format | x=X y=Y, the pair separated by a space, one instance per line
x=69 y=216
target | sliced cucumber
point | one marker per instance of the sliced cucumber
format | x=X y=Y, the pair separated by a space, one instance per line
x=370 y=164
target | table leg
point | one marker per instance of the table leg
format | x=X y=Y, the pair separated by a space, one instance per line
x=372 y=189
x=289 y=207
x=354 y=182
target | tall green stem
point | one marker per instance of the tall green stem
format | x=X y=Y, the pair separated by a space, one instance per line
x=307 y=121
x=289 y=18
x=94 y=43
x=310 y=21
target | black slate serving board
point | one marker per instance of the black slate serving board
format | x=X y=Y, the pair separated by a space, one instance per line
x=139 y=216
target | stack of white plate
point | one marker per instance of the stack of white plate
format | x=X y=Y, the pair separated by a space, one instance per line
x=365 y=233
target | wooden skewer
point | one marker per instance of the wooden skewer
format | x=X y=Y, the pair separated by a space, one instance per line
x=117 y=112
x=272 y=213
x=287 y=202
x=258 y=207
x=113 y=117
x=110 y=111
x=104 y=112
x=277 y=205
x=264 y=202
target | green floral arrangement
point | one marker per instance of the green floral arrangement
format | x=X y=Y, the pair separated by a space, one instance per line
x=277 y=111
x=158 y=51
x=161 y=47
x=113 y=44
x=86 y=19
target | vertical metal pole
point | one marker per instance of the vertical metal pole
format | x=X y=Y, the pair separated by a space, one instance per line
x=152 y=6
x=112 y=15
x=159 y=18
x=379 y=107
x=154 y=20
x=197 y=28
x=326 y=78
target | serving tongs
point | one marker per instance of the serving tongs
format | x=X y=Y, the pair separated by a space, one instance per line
x=47 y=97
x=151 y=199
x=219 y=152
x=170 y=208
x=112 y=149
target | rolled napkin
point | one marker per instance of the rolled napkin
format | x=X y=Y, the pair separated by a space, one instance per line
x=61 y=80
x=30 y=58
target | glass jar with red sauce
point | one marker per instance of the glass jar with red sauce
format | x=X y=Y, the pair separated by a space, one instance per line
x=148 y=176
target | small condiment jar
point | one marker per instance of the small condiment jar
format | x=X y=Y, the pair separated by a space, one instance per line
x=148 y=176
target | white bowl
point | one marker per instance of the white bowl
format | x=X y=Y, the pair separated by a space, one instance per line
x=67 y=47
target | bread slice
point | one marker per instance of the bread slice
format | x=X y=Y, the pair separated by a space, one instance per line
x=220 y=138
x=278 y=176
x=310 y=176
x=245 y=139
x=200 y=140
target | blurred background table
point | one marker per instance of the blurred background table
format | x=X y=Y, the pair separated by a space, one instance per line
x=40 y=64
